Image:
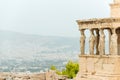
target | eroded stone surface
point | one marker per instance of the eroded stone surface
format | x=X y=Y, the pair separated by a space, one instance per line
x=101 y=66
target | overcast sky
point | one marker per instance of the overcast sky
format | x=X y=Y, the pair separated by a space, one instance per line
x=49 y=17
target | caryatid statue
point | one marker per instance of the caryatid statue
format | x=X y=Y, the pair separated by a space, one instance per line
x=102 y=42
x=97 y=41
x=113 y=43
x=91 y=42
x=82 y=42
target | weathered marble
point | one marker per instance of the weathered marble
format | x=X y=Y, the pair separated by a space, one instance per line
x=82 y=42
x=91 y=42
x=97 y=42
x=114 y=43
x=102 y=43
x=101 y=66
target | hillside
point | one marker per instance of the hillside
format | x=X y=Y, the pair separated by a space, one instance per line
x=33 y=51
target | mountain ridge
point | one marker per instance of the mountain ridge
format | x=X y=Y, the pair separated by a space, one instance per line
x=23 y=43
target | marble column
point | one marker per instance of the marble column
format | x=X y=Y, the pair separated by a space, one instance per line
x=114 y=43
x=102 y=42
x=82 y=42
x=97 y=42
x=91 y=42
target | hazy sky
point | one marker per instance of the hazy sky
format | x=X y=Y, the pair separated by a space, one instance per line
x=49 y=17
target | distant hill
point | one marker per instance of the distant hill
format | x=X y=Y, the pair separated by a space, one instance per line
x=24 y=52
x=14 y=44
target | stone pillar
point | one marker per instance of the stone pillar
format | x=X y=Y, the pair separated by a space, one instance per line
x=97 y=41
x=113 y=43
x=82 y=42
x=118 y=33
x=91 y=42
x=110 y=33
x=102 y=42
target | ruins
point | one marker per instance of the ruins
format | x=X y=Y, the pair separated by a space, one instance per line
x=97 y=65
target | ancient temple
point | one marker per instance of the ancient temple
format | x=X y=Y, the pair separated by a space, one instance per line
x=97 y=65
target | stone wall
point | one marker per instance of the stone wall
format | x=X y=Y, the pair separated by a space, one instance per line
x=99 y=68
x=50 y=75
x=115 y=10
x=22 y=76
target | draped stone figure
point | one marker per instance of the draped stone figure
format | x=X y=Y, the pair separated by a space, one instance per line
x=97 y=42
x=113 y=44
x=82 y=42
x=91 y=43
x=118 y=33
x=102 y=42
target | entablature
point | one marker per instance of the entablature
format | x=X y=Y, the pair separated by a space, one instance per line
x=99 y=23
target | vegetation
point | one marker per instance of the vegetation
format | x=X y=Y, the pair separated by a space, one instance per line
x=53 y=67
x=71 y=69
x=57 y=71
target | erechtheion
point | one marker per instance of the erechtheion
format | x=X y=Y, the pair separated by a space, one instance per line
x=97 y=65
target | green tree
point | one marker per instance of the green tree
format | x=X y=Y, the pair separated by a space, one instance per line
x=53 y=67
x=71 y=70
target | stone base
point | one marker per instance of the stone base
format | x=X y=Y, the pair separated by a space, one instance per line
x=98 y=77
x=99 y=68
